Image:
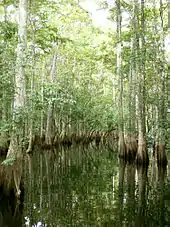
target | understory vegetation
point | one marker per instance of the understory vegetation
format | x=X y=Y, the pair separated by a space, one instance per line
x=64 y=80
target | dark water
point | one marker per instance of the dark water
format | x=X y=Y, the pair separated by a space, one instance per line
x=87 y=187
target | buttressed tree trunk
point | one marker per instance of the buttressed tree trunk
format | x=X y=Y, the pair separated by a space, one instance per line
x=142 y=154
x=121 y=145
x=15 y=147
x=130 y=140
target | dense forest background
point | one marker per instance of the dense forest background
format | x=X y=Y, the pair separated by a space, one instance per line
x=64 y=80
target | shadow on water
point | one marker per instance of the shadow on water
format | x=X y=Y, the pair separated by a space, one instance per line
x=89 y=187
x=11 y=198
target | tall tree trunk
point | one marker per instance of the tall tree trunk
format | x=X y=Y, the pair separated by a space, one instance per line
x=121 y=143
x=161 y=155
x=156 y=81
x=142 y=154
x=15 y=147
x=49 y=130
x=130 y=140
x=32 y=85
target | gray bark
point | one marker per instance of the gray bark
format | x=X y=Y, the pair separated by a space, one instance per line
x=121 y=143
x=15 y=148
x=142 y=154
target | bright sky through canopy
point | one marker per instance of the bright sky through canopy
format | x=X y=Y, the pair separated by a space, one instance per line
x=99 y=16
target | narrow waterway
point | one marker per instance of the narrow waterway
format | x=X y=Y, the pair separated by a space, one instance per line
x=87 y=187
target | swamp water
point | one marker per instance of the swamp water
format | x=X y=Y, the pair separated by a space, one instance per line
x=84 y=187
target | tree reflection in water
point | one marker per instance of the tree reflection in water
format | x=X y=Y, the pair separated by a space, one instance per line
x=90 y=187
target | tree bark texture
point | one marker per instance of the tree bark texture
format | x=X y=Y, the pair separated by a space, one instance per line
x=15 y=147
x=142 y=153
x=121 y=143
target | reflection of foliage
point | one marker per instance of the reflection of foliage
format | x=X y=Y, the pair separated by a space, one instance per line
x=76 y=188
x=77 y=191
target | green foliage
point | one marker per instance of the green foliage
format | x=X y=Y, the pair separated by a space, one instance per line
x=8 y=30
x=5 y=126
x=85 y=88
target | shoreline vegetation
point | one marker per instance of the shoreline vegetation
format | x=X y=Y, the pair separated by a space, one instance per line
x=95 y=138
x=65 y=81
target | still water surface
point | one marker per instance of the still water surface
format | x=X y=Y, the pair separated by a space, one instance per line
x=84 y=187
